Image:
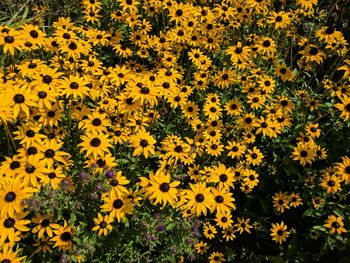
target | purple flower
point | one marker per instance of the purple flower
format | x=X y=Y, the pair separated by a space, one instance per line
x=109 y=174
x=98 y=186
x=161 y=228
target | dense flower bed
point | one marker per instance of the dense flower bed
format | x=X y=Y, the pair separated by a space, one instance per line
x=175 y=131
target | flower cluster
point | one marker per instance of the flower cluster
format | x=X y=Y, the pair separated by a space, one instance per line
x=174 y=131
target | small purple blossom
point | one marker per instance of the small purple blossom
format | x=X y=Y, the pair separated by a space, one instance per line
x=109 y=174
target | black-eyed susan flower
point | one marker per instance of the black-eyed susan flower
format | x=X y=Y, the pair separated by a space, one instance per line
x=12 y=193
x=8 y=255
x=63 y=236
x=243 y=225
x=161 y=189
x=335 y=224
x=312 y=53
x=216 y=257
x=74 y=86
x=224 y=220
x=229 y=234
x=11 y=40
x=143 y=143
x=223 y=176
x=20 y=99
x=11 y=227
x=236 y=149
x=201 y=247
x=44 y=225
x=344 y=107
x=331 y=184
x=304 y=153
x=198 y=198
x=95 y=144
x=209 y=231
x=254 y=156
x=102 y=224
x=279 y=232
x=295 y=200
x=117 y=204
x=223 y=200
x=250 y=178
x=281 y=201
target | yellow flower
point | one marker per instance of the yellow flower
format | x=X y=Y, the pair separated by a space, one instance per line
x=103 y=224
x=160 y=189
x=335 y=224
x=143 y=143
x=279 y=232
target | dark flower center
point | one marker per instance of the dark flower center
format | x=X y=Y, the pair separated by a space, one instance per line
x=239 y=50
x=30 y=133
x=9 y=222
x=283 y=71
x=278 y=19
x=266 y=43
x=280 y=232
x=34 y=33
x=52 y=175
x=331 y=183
x=95 y=142
x=179 y=12
x=113 y=182
x=66 y=36
x=145 y=90
x=199 y=198
x=96 y=122
x=314 y=51
x=330 y=30
x=32 y=65
x=74 y=85
x=103 y=224
x=178 y=149
x=14 y=165
x=164 y=187
x=144 y=143
x=303 y=153
x=45 y=223
x=47 y=79
x=347 y=169
x=219 y=199
x=166 y=85
x=101 y=163
x=118 y=203
x=51 y=114
x=335 y=225
x=223 y=178
x=248 y=120
x=18 y=98
x=66 y=236
x=10 y=197
x=30 y=169
x=9 y=39
x=49 y=153
x=42 y=94
x=347 y=107
x=73 y=46
x=32 y=150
